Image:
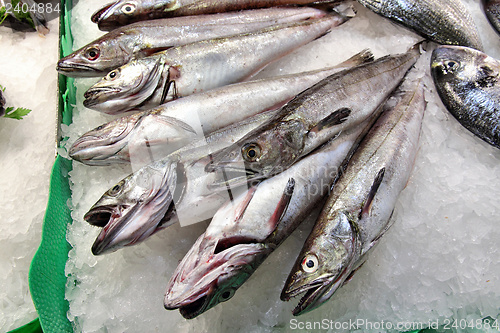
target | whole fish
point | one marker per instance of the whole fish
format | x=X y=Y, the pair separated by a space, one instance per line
x=144 y=201
x=124 y=12
x=245 y=231
x=444 y=22
x=336 y=103
x=141 y=39
x=172 y=125
x=358 y=210
x=467 y=81
x=200 y=66
x=491 y=9
x=19 y=10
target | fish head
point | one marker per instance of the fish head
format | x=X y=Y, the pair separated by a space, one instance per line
x=124 y=12
x=324 y=264
x=211 y=272
x=458 y=67
x=126 y=87
x=104 y=143
x=259 y=155
x=134 y=208
x=95 y=59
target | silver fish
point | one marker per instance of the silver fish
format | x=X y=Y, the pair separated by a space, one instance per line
x=467 y=81
x=333 y=105
x=155 y=133
x=143 y=202
x=124 y=12
x=244 y=232
x=491 y=9
x=37 y=17
x=142 y=39
x=200 y=66
x=358 y=211
x=444 y=22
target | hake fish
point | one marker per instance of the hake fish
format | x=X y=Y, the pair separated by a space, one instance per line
x=172 y=125
x=245 y=231
x=336 y=103
x=200 y=66
x=491 y=9
x=444 y=22
x=124 y=12
x=142 y=39
x=143 y=202
x=359 y=208
x=467 y=82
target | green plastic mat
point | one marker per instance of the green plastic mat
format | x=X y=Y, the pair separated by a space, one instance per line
x=47 y=279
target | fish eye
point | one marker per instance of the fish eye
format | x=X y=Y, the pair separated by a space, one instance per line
x=115 y=190
x=92 y=53
x=451 y=65
x=112 y=75
x=128 y=8
x=251 y=152
x=310 y=264
x=226 y=295
x=98 y=128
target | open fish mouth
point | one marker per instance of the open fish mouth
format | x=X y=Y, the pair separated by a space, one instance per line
x=228 y=177
x=194 y=309
x=314 y=294
x=101 y=13
x=100 y=216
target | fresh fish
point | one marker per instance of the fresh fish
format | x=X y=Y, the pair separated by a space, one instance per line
x=143 y=202
x=172 y=125
x=141 y=39
x=244 y=232
x=200 y=66
x=124 y=12
x=317 y=114
x=444 y=22
x=358 y=210
x=491 y=9
x=36 y=20
x=467 y=81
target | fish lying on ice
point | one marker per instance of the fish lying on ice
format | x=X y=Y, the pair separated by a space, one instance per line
x=123 y=12
x=152 y=197
x=142 y=39
x=491 y=9
x=467 y=81
x=200 y=66
x=245 y=231
x=444 y=22
x=358 y=210
x=333 y=105
x=172 y=125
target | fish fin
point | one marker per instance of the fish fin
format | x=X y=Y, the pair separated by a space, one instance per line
x=150 y=51
x=335 y=118
x=175 y=122
x=369 y=199
x=170 y=89
x=282 y=205
x=362 y=57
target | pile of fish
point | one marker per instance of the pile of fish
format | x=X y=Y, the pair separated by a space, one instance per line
x=256 y=157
